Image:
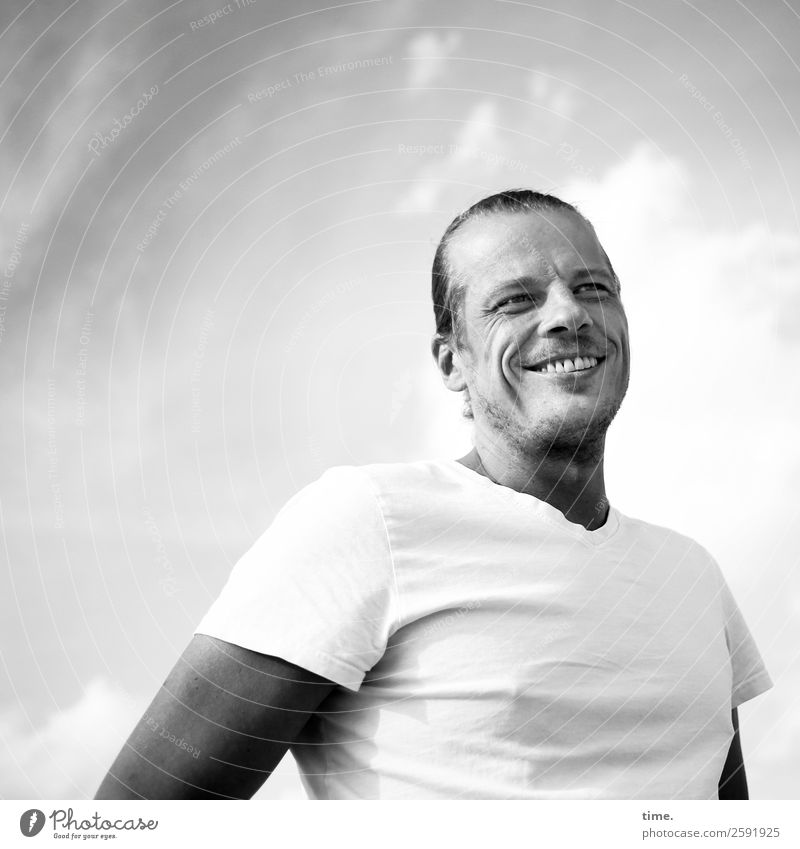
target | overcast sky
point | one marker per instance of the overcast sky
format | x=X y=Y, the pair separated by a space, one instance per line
x=217 y=230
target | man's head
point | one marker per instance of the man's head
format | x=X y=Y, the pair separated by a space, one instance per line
x=520 y=280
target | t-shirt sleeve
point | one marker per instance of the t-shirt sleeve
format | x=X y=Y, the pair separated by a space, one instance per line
x=317 y=588
x=750 y=676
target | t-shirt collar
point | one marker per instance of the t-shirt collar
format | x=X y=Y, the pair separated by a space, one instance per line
x=544 y=510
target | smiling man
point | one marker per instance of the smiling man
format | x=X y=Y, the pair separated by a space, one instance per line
x=489 y=627
x=532 y=329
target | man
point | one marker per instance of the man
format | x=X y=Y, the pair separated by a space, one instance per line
x=484 y=628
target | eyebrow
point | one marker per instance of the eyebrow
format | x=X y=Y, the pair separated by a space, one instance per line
x=592 y=272
x=522 y=282
x=526 y=280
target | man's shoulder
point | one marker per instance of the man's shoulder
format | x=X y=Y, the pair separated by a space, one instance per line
x=402 y=489
x=393 y=477
x=352 y=496
x=662 y=536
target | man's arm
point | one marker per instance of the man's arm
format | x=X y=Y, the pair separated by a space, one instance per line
x=218 y=726
x=733 y=781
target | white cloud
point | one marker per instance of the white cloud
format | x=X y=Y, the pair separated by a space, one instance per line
x=476 y=152
x=479 y=129
x=707 y=304
x=421 y=197
x=429 y=52
x=552 y=94
x=70 y=752
x=539 y=85
x=68 y=755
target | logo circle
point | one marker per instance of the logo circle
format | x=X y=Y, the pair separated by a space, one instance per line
x=31 y=822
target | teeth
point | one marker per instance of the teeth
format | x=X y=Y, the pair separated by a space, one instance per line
x=561 y=366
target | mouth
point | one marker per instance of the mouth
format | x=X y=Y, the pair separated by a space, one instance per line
x=569 y=365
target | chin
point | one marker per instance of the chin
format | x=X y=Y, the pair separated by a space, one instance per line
x=570 y=442
x=579 y=423
x=572 y=428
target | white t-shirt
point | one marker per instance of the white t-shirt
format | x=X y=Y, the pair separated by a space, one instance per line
x=486 y=647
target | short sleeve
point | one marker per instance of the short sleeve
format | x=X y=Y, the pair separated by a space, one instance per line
x=750 y=676
x=317 y=588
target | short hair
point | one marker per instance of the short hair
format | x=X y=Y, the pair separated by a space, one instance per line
x=447 y=297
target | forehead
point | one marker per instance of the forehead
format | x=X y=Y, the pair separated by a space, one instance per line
x=500 y=246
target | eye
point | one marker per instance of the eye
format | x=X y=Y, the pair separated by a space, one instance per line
x=521 y=298
x=593 y=289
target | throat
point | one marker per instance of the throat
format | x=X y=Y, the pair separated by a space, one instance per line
x=574 y=488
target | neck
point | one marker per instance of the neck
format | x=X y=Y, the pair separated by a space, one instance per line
x=569 y=480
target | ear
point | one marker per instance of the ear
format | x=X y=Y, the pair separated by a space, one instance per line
x=449 y=362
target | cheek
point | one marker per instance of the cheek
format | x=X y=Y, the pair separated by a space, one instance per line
x=506 y=362
x=512 y=343
x=499 y=357
x=611 y=317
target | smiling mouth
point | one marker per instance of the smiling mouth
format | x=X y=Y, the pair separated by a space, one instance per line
x=577 y=365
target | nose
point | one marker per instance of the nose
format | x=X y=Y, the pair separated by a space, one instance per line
x=562 y=312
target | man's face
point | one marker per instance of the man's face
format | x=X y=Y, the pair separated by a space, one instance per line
x=538 y=290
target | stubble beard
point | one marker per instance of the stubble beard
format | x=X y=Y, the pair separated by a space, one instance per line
x=553 y=438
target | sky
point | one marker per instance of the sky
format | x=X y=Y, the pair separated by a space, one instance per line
x=217 y=229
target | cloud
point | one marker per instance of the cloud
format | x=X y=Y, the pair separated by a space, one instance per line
x=429 y=52
x=477 y=152
x=478 y=132
x=421 y=197
x=70 y=752
x=68 y=755
x=552 y=94
x=709 y=305
x=730 y=280
x=453 y=160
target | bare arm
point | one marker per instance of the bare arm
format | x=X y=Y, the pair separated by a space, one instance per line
x=218 y=726
x=733 y=781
